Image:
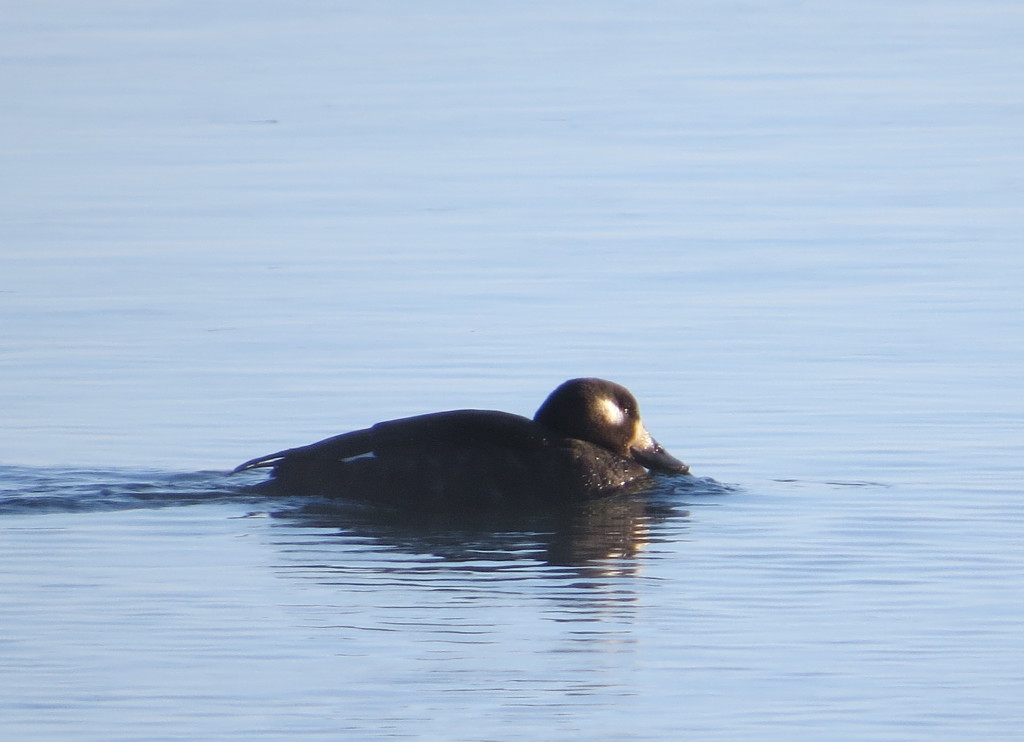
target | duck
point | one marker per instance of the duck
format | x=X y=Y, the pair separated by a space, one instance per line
x=586 y=441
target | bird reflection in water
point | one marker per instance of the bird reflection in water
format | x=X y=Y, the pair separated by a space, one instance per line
x=605 y=533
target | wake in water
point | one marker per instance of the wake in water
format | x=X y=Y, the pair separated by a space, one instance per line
x=568 y=534
x=64 y=490
x=59 y=490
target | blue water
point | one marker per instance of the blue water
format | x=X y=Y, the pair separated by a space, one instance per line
x=792 y=230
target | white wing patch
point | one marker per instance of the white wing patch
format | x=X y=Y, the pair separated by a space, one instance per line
x=611 y=412
x=367 y=455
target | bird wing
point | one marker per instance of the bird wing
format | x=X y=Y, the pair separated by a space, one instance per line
x=454 y=428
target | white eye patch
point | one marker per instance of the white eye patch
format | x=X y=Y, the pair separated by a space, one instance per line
x=610 y=412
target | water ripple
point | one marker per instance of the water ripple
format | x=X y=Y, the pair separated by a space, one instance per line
x=33 y=490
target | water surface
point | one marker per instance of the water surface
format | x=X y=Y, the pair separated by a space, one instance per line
x=793 y=231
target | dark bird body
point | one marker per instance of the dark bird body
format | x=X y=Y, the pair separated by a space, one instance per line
x=585 y=441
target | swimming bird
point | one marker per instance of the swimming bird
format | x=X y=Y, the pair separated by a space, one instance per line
x=585 y=441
